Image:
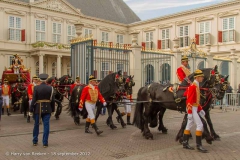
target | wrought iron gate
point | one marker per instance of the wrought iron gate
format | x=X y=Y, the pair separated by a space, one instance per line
x=88 y=57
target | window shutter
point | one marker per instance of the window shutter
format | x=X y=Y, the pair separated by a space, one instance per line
x=95 y=73
x=197 y=38
x=219 y=36
x=23 y=35
x=143 y=46
x=159 y=44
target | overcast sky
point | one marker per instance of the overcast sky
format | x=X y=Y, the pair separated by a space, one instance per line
x=147 y=9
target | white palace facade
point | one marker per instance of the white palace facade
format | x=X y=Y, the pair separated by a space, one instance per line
x=40 y=31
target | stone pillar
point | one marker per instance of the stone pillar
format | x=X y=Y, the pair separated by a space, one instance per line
x=59 y=66
x=175 y=60
x=209 y=61
x=78 y=27
x=135 y=63
x=41 y=63
x=233 y=71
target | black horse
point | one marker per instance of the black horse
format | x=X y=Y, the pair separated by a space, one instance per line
x=60 y=91
x=108 y=87
x=217 y=92
x=118 y=97
x=160 y=97
x=20 y=97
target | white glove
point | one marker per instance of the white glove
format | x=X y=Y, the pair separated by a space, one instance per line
x=190 y=116
x=202 y=113
x=104 y=104
x=30 y=114
x=80 y=109
x=53 y=113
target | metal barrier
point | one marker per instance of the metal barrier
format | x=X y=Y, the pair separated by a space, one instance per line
x=230 y=100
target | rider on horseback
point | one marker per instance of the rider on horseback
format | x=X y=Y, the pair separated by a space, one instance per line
x=183 y=72
x=90 y=95
x=193 y=107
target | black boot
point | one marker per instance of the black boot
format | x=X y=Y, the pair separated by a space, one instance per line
x=185 y=142
x=87 y=128
x=199 y=144
x=118 y=118
x=8 y=112
x=128 y=120
x=2 y=111
x=96 y=129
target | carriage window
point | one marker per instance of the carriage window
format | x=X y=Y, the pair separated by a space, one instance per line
x=54 y=66
x=105 y=69
x=11 y=60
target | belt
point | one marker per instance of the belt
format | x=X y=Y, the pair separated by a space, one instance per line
x=40 y=102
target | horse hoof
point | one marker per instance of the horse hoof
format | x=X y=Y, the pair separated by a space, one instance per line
x=123 y=125
x=209 y=142
x=180 y=140
x=113 y=126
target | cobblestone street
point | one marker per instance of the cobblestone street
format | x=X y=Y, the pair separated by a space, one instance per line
x=67 y=140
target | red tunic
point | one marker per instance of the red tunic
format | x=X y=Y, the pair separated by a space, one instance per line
x=193 y=98
x=30 y=91
x=90 y=95
x=128 y=96
x=6 y=90
x=182 y=72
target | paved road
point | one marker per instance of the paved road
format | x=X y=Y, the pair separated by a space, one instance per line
x=67 y=140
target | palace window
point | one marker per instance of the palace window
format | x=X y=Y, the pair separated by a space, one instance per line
x=149 y=40
x=15 y=25
x=120 y=39
x=57 y=27
x=105 y=69
x=165 y=39
x=40 y=30
x=105 y=36
x=69 y=68
x=87 y=32
x=71 y=33
x=54 y=69
x=184 y=36
x=204 y=33
x=120 y=67
x=228 y=32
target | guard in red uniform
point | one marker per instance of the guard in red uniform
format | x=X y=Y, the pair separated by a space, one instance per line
x=30 y=91
x=77 y=82
x=6 y=93
x=90 y=95
x=183 y=72
x=193 y=107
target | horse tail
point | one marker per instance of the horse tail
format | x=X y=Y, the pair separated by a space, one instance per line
x=138 y=114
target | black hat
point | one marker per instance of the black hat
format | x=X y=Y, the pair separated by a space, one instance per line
x=92 y=78
x=198 y=73
x=43 y=76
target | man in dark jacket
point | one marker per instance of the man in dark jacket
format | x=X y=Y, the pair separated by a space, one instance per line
x=42 y=107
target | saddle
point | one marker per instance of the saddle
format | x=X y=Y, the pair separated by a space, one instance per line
x=174 y=90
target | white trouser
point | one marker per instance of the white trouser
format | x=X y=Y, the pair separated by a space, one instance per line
x=195 y=119
x=29 y=102
x=6 y=100
x=127 y=106
x=90 y=109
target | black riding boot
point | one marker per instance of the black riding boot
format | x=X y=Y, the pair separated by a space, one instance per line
x=118 y=118
x=199 y=144
x=128 y=120
x=96 y=129
x=8 y=112
x=185 y=142
x=87 y=128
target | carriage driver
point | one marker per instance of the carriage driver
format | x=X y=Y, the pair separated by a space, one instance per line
x=6 y=93
x=90 y=95
x=183 y=72
x=77 y=82
x=193 y=107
